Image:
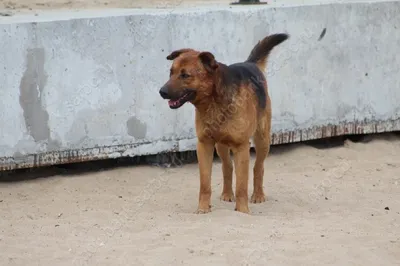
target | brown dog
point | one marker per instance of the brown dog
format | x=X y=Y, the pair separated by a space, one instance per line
x=232 y=105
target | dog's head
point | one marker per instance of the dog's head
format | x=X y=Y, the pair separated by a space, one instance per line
x=191 y=77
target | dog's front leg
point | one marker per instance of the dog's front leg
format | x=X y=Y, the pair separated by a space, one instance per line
x=241 y=156
x=205 y=154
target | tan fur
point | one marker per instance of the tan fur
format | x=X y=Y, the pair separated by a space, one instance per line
x=225 y=118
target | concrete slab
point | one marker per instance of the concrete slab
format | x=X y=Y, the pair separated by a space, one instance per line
x=82 y=86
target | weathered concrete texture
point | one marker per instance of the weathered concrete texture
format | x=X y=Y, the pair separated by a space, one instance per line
x=87 y=88
x=31 y=88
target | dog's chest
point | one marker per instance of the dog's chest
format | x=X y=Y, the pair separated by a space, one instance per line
x=222 y=125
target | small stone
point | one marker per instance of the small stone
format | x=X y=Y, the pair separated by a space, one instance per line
x=387 y=208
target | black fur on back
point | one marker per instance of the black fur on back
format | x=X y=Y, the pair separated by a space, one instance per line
x=242 y=73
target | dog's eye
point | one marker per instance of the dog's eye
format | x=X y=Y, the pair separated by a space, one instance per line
x=184 y=75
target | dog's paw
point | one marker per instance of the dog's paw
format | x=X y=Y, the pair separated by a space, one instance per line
x=230 y=197
x=243 y=209
x=202 y=211
x=258 y=198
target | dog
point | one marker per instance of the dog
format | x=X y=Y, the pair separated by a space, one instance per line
x=232 y=106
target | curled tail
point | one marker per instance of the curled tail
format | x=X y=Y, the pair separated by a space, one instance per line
x=260 y=52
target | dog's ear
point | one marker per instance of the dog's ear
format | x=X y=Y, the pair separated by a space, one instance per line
x=177 y=53
x=208 y=61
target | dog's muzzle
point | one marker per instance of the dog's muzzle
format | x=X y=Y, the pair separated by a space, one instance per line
x=164 y=92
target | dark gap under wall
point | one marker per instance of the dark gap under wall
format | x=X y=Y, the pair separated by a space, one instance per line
x=171 y=159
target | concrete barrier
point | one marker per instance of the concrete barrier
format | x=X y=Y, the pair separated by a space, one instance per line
x=84 y=86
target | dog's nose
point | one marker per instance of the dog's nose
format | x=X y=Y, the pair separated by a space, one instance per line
x=164 y=92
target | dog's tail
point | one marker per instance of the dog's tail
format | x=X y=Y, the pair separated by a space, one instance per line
x=260 y=52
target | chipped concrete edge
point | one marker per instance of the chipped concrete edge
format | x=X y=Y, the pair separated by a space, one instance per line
x=143 y=149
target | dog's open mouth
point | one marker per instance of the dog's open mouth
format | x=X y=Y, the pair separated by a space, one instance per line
x=187 y=96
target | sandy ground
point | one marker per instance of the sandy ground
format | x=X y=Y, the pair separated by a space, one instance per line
x=11 y=7
x=326 y=206
x=84 y=4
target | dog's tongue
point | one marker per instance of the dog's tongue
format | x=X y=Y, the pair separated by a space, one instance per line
x=172 y=103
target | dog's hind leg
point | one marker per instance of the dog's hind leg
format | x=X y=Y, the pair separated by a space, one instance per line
x=262 y=145
x=223 y=152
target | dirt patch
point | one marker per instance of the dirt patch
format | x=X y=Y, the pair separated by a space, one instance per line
x=336 y=206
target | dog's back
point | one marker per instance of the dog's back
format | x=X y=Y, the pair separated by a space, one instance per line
x=249 y=72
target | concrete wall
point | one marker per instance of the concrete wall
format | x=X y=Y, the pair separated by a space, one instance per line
x=81 y=86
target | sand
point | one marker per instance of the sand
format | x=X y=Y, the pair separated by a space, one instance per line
x=331 y=206
x=39 y=5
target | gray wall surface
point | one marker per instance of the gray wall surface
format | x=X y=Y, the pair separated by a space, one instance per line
x=77 y=88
